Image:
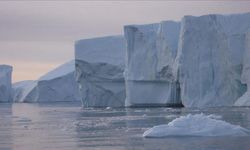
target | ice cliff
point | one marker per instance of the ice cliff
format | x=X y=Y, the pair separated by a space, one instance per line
x=57 y=85
x=244 y=100
x=151 y=51
x=197 y=62
x=99 y=71
x=5 y=83
x=210 y=59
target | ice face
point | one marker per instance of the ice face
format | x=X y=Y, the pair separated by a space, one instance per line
x=5 y=83
x=57 y=85
x=206 y=67
x=244 y=100
x=151 y=51
x=99 y=71
x=209 y=59
x=196 y=125
x=25 y=91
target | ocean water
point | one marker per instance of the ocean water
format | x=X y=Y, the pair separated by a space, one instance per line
x=65 y=126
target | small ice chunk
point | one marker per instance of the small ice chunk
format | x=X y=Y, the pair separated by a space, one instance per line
x=196 y=125
x=108 y=108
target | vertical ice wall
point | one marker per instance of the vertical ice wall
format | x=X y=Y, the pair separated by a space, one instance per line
x=210 y=59
x=5 y=83
x=151 y=51
x=244 y=100
x=99 y=71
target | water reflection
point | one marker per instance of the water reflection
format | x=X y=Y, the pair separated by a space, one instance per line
x=37 y=127
x=5 y=127
x=67 y=127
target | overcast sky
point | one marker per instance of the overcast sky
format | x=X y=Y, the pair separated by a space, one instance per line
x=37 y=36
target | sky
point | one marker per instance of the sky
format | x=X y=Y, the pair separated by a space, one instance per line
x=37 y=36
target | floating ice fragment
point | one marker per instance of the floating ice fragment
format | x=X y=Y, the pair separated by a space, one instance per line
x=196 y=125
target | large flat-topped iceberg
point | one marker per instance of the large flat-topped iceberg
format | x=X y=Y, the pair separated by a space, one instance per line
x=5 y=83
x=210 y=58
x=196 y=125
x=99 y=71
x=151 y=51
x=197 y=62
x=57 y=85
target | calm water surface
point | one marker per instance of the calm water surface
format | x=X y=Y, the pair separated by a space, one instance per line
x=66 y=126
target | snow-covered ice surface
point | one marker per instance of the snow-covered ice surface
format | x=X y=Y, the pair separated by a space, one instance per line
x=57 y=85
x=60 y=71
x=196 y=125
x=5 y=83
x=151 y=51
x=99 y=71
x=66 y=126
x=210 y=59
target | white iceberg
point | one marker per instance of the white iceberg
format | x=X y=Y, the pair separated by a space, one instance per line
x=24 y=91
x=57 y=85
x=151 y=51
x=99 y=71
x=209 y=60
x=196 y=125
x=204 y=71
x=5 y=83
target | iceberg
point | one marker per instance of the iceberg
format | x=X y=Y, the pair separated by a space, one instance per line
x=58 y=85
x=210 y=59
x=24 y=91
x=151 y=51
x=99 y=71
x=196 y=125
x=197 y=62
x=5 y=83
x=244 y=100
